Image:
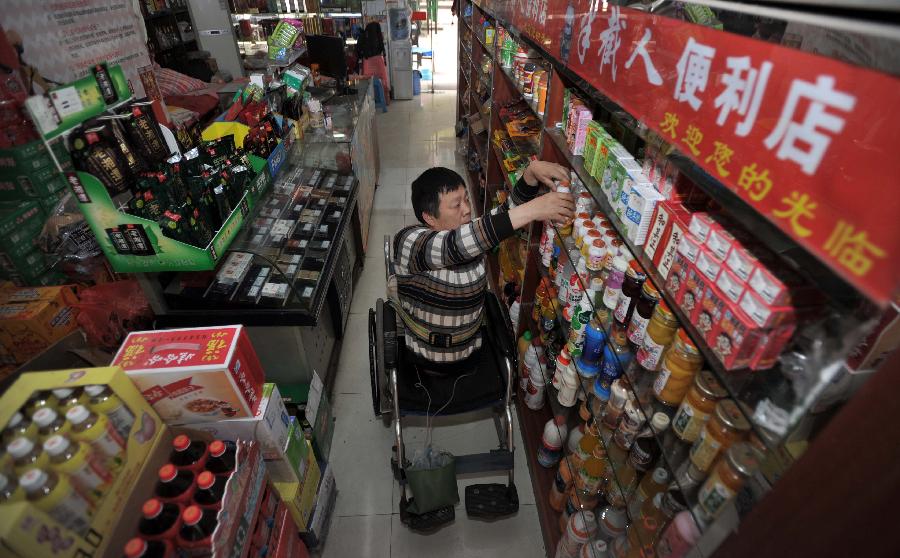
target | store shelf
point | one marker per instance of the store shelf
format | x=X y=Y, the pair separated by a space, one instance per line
x=531 y=102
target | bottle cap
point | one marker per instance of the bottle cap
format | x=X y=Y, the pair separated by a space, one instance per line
x=62 y=393
x=205 y=480
x=20 y=447
x=659 y=421
x=32 y=480
x=181 y=442
x=167 y=472
x=78 y=414
x=94 y=391
x=660 y=475
x=191 y=515
x=152 y=508
x=135 y=548
x=15 y=420
x=43 y=417
x=217 y=447
x=56 y=444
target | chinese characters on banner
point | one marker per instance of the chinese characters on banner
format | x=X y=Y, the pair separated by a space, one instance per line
x=805 y=140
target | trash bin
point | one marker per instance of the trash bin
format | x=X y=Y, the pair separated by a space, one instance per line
x=417 y=82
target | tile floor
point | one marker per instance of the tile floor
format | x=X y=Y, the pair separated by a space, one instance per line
x=413 y=136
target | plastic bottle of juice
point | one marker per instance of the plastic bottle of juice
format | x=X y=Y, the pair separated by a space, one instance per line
x=81 y=464
x=49 y=423
x=197 y=526
x=222 y=455
x=69 y=397
x=189 y=454
x=39 y=400
x=98 y=431
x=210 y=490
x=104 y=402
x=142 y=548
x=27 y=455
x=10 y=491
x=19 y=425
x=159 y=520
x=54 y=494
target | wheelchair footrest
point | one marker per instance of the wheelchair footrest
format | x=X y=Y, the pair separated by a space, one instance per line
x=489 y=501
x=428 y=521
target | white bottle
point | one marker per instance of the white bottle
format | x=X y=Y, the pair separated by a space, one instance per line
x=514 y=314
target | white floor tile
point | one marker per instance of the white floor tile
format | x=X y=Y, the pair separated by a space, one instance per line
x=358 y=537
x=352 y=374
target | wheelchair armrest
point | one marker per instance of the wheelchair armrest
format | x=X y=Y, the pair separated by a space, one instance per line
x=388 y=260
x=498 y=329
x=391 y=342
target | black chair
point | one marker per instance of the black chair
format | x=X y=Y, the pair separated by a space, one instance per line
x=395 y=395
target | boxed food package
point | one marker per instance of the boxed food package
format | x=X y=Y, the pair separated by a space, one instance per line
x=591 y=140
x=720 y=240
x=741 y=261
x=601 y=155
x=270 y=427
x=301 y=497
x=689 y=247
x=20 y=224
x=285 y=541
x=776 y=340
x=730 y=285
x=290 y=465
x=708 y=310
x=642 y=202
x=74 y=527
x=33 y=318
x=707 y=263
x=676 y=280
x=695 y=283
x=778 y=286
x=668 y=226
x=317 y=530
x=735 y=338
x=701 y=224
x=582 y=118
x=195 y=375
x=762 y=314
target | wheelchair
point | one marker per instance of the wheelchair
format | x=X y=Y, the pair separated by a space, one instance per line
x=397 y=382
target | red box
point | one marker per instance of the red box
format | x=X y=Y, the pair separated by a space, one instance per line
x=288 y=543
x=658 y=233
x=695 y=284
x=689 y=247
x=720 y=240
x=766 y=357
x=701 y=223
x=730 y=285
x=735 y=338
x=741 y=261
x=676 y=284
x=762 y=314
x=708 y=264
x=195 y=374
x=708 y=312
x=781 y=287
x=673 y=227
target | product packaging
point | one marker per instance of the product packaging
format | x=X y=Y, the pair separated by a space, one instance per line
x=707 y=263
x=701 y=224
x=317 y=531
x=290 y=465
x=736 y=338
x=301 y=497
x=20 y=225
x=33 y=318
x=195 y=375
x=708 y=310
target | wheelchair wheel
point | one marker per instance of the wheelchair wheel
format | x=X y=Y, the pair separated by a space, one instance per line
x=373 y=362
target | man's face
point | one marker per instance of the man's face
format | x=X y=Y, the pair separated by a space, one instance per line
x=454 y=211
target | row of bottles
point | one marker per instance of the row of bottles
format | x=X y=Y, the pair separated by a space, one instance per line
x=604 y=340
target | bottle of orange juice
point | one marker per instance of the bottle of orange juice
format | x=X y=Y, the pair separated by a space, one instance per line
x=97 y=431
x=104 y=402
x=27 y=455
x=77 y=460
x=19 y=425
x=53 y=494
x=49 y=423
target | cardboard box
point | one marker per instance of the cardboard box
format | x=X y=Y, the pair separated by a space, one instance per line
x=299 y=498
x=244 y=493
x=317 y=530
x=667 y=230
x=701 y=224
x=735 y=338
x=708 y=264
x=776 y=340
x=642 y=202
x=741 y=261
x=195 y=375
x=730 y=285
x=20 y=224
x=689 y=247
x=291 y=465
x=676 y=282
x=778 y=286
x=720 y=240
x=591 y=140
x=762 y=314
x=269 y=428
x=27 y=531
x=709 y=310
x=33 y=318
x=694 y=287
x=287 y=543
x=320 y=417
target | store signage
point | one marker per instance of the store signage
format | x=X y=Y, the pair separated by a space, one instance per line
x=807 y=141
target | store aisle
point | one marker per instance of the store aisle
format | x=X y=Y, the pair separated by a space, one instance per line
x=413 y=136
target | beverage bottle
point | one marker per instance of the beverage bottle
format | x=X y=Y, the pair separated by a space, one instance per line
x=10 y=491
x=175 y=486
x=612 y=523
x=581 y=317
x=27 y=455
x=39 y=400
x=69 y=397
x=585 y=447
x=98 y=432
x=210 y=489
x=540 y=296
x=679 y=537
x=562 y=482
x=221 y=459
x=104 y=402
x=616 y=356
x=647 y=489
x=81 y=464
x=524 y=343
x=159 y=521
x=578 y=282
x=19 y=425
x=143 y=548
x=197 y=526
x=552 y=440
x=614 y=283
x=49 y=423
x=188 y=454
x=53 y=494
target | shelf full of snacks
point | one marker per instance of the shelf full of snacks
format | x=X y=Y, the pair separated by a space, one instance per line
x=751 y=304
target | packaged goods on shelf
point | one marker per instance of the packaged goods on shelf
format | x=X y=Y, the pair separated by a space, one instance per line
x=195 y=375
x=319 y=523
x=300 y=497
x=33 y=318
x=291 y=463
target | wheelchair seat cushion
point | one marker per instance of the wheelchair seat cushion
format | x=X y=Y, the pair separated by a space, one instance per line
x=480 y=384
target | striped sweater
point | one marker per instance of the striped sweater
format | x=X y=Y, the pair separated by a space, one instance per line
x=441 y=275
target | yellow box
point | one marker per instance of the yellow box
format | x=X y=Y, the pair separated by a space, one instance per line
x=300 y=497
x=28 y=532
x=32 y=319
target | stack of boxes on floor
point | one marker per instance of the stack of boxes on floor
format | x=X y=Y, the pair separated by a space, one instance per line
x=32 y=319
x=604 y=341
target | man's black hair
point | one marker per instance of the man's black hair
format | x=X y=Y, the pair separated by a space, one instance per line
x=427 y=190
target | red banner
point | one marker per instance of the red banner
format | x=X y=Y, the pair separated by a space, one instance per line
x=806 y=140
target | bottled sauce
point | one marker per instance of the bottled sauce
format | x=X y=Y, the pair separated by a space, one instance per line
x=697 y=406
x=197 y=526
x=19 y=425
x=221 y=459
x=631 y=290
x=97 y=431
x=49 y=423
x=10 y=491
x=651 y=485
x=188 y=454
x=643 y=311
x=728 y=476
x=659 y=335
x=682 y=361
x=53 y=494
x=27 y=455
x=142 y=548
x=69 y=397
x=210 y=489
x=679 y=537
x=76 y=460
x=175 y=486
x=548 y=321
x=614 y=283
x=159 y=520
x=726 y=427
x=104 y=402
